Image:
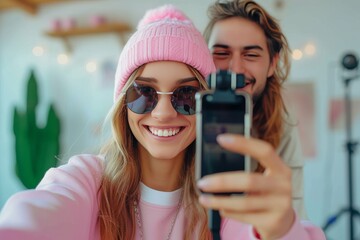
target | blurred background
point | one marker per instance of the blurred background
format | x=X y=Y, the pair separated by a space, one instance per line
x=72 y=47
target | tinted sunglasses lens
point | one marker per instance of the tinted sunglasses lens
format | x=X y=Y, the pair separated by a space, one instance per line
x=141 y=99
x=183 y=100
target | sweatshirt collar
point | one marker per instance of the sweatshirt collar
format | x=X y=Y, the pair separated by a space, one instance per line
x=158 y=197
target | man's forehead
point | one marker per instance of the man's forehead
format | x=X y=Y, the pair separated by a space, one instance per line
x=237 y=33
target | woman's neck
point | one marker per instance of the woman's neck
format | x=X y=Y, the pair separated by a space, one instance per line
x=161 y=174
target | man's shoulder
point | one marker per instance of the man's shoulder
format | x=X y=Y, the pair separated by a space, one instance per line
x=290 y=121
x=290 y=147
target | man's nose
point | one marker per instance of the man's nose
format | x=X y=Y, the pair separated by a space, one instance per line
x=236 y=64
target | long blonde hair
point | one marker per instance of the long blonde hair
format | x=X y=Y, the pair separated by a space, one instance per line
x=269 y=110
x=120 y=183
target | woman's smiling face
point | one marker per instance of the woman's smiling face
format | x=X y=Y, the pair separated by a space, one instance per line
x=164 y=133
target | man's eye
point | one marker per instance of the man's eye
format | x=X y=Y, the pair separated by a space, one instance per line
x=221 y=54
x=251 y=55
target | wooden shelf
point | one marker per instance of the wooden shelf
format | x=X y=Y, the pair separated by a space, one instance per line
x=103 y=28
x=117 y=28
x=29 y=6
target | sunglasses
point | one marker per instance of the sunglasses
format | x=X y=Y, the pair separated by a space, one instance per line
x=142 y=99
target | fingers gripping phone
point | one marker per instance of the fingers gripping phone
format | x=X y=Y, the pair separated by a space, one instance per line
x=221 y=110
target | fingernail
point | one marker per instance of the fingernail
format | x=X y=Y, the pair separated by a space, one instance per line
x=225 y=138
x=202 y=183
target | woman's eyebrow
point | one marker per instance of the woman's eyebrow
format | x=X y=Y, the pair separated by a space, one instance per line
x=186 y=80
x=146 y=79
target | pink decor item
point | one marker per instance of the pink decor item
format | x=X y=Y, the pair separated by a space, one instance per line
x=55 y=25
x=97 y=20
x=68 y=23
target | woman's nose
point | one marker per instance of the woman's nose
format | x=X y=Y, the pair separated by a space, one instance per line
x=164 y=110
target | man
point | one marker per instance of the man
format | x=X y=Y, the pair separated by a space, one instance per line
x=245 y=39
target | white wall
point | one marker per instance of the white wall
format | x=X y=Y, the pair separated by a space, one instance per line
x=82 y=100
x=331 y=26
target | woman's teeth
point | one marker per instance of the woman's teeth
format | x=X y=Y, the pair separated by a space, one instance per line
x=164 y=132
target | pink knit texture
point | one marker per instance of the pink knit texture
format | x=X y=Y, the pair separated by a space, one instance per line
x=164 y=34
x=164 y=12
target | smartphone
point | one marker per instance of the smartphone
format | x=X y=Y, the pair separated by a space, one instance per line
x=221 y=112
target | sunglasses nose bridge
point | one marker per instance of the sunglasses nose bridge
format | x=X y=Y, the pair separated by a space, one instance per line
x=164 y=93
x=170 y=94
x=164 y=109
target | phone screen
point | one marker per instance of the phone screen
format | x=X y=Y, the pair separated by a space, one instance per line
x=217 y=118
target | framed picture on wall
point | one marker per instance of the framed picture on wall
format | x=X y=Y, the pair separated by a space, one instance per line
x=300 y=101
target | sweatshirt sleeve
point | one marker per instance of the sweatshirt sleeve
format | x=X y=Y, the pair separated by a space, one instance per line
x=303 y=230
x=63 y=206
x=300 y=230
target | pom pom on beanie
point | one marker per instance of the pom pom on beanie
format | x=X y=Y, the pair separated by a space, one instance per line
x=163 y=34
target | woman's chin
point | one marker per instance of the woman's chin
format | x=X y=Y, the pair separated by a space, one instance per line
x=164 y=154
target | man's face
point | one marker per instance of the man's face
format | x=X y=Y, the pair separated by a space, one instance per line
x=240 y=45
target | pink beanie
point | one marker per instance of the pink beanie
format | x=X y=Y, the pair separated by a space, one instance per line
x=164 y=33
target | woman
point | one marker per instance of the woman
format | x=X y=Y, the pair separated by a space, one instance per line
x=142 y=184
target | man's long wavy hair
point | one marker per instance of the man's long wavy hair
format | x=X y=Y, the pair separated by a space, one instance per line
x=269 y=109
x=122 y=174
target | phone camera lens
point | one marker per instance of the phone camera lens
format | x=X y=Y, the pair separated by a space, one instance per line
x=209 y=98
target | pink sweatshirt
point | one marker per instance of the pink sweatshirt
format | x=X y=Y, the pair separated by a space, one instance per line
x=64 y=206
